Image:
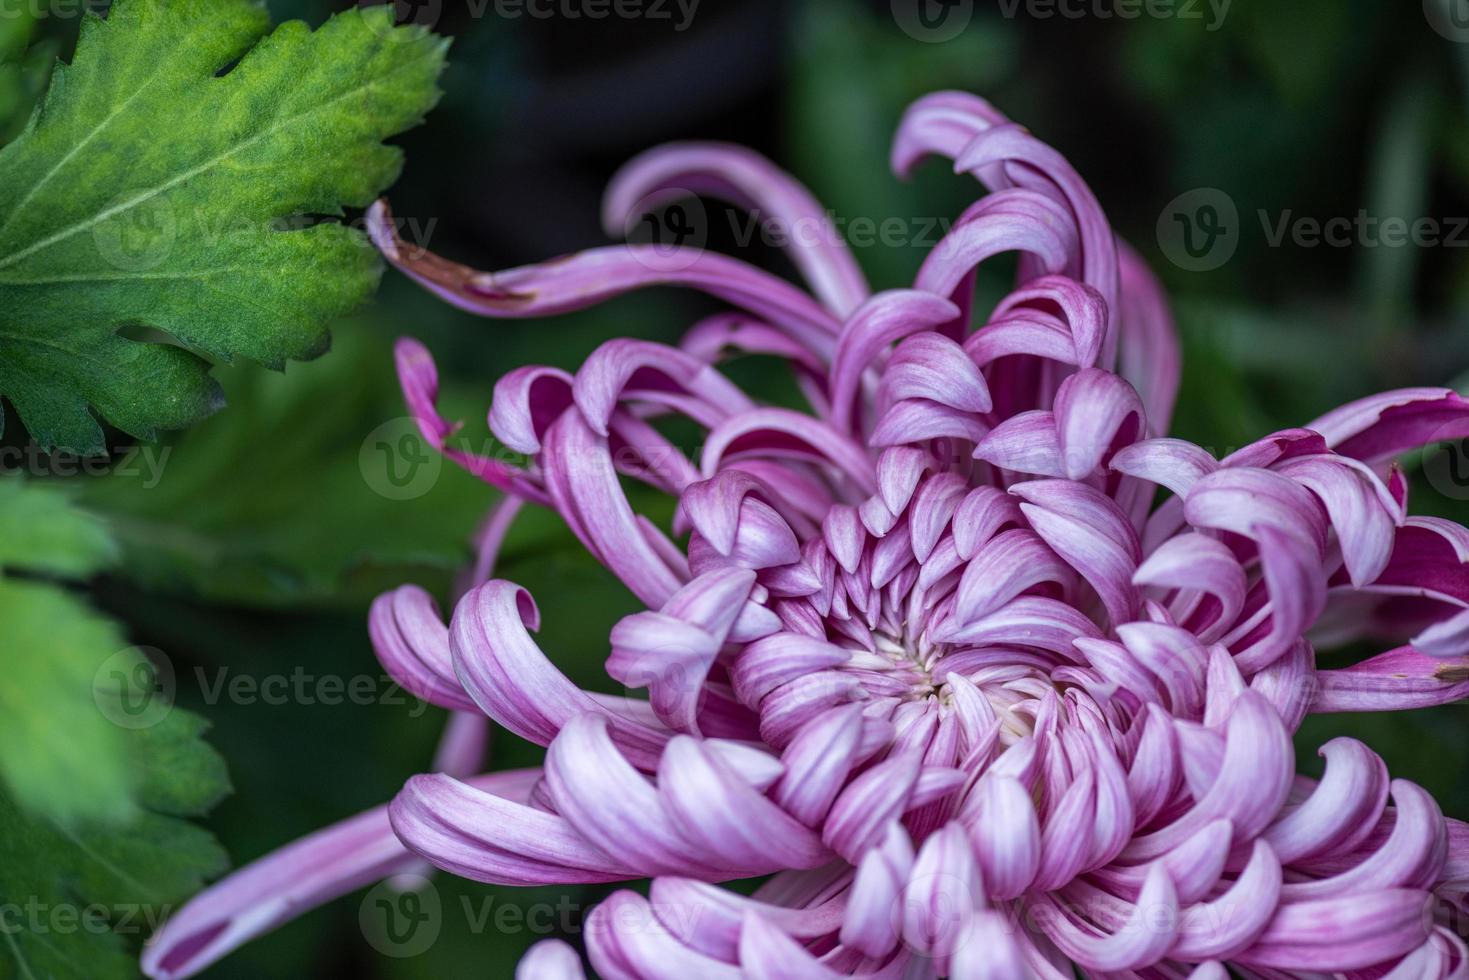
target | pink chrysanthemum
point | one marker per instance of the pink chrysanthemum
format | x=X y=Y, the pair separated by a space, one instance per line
x=930 y=657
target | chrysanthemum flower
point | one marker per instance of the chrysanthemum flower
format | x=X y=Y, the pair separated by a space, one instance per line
x=936 y=658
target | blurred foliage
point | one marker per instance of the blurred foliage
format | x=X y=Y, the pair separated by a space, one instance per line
x=82 y=896
x=97 y=769
x=24 y=70
x=61 y=756
x=279 y=500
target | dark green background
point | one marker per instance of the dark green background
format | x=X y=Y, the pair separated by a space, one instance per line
x=263 y=545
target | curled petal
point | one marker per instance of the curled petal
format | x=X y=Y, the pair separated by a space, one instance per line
x=526 y=401
x=1006 y=835
x=1202 y=566
x=763 y=540
x=987 y=950
x=588 y=493
x=550 y=959
x=626 y=940
x=1171 y=463
x=1411 y=857
x=1242 y=499
x=657 y=374
x=1096 y=411
x=768 y=953
x=1052 y=174
x=1195 y=866
x=1154 y=771
x=1024 y=443
x=943 y=890
x=1394 y=681
x=898 y=473
x=1006 y=221
x=479 y=834
x=941 y=123
x=932 y=367
x=1342 y=809
x=872 y=923
x=1297 y=588
x=1087 y=529
x=1006 y=566
x=669 y=657
x=590 y=277
x=982 y=512
x=1024 y=331
x=1174 y=656
x=419 y=378
x=1254 y=779
x=412 y=644
x=916 y=420
x=1357 y=506
x=1141 y=941
x=745 y=179
x=792 y=705
x=1345 y=932
x=703 y=819
x=714 y=602
x=289 y=882
x=1030 y=621
x=727 y=818
x=1382 y=426
x=1224 y=926
x=1065 y=844
x=781 y=433
x=710 y=918
x=867 y=806
x=1083 y=308
x=818 y=763
x=936 y=502
x=712 y=507
x=510 y=679
x=772 y=661
x=885 y=318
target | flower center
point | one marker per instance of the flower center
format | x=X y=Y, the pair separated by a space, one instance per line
x=901 y=670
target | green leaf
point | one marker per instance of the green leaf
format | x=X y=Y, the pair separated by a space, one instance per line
x=21 y=83
x=15 y=35
x=149 y=194
x=25 y=65
x=61 y=755
x=91 y=850
x=79 y=899
x=41 y=531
